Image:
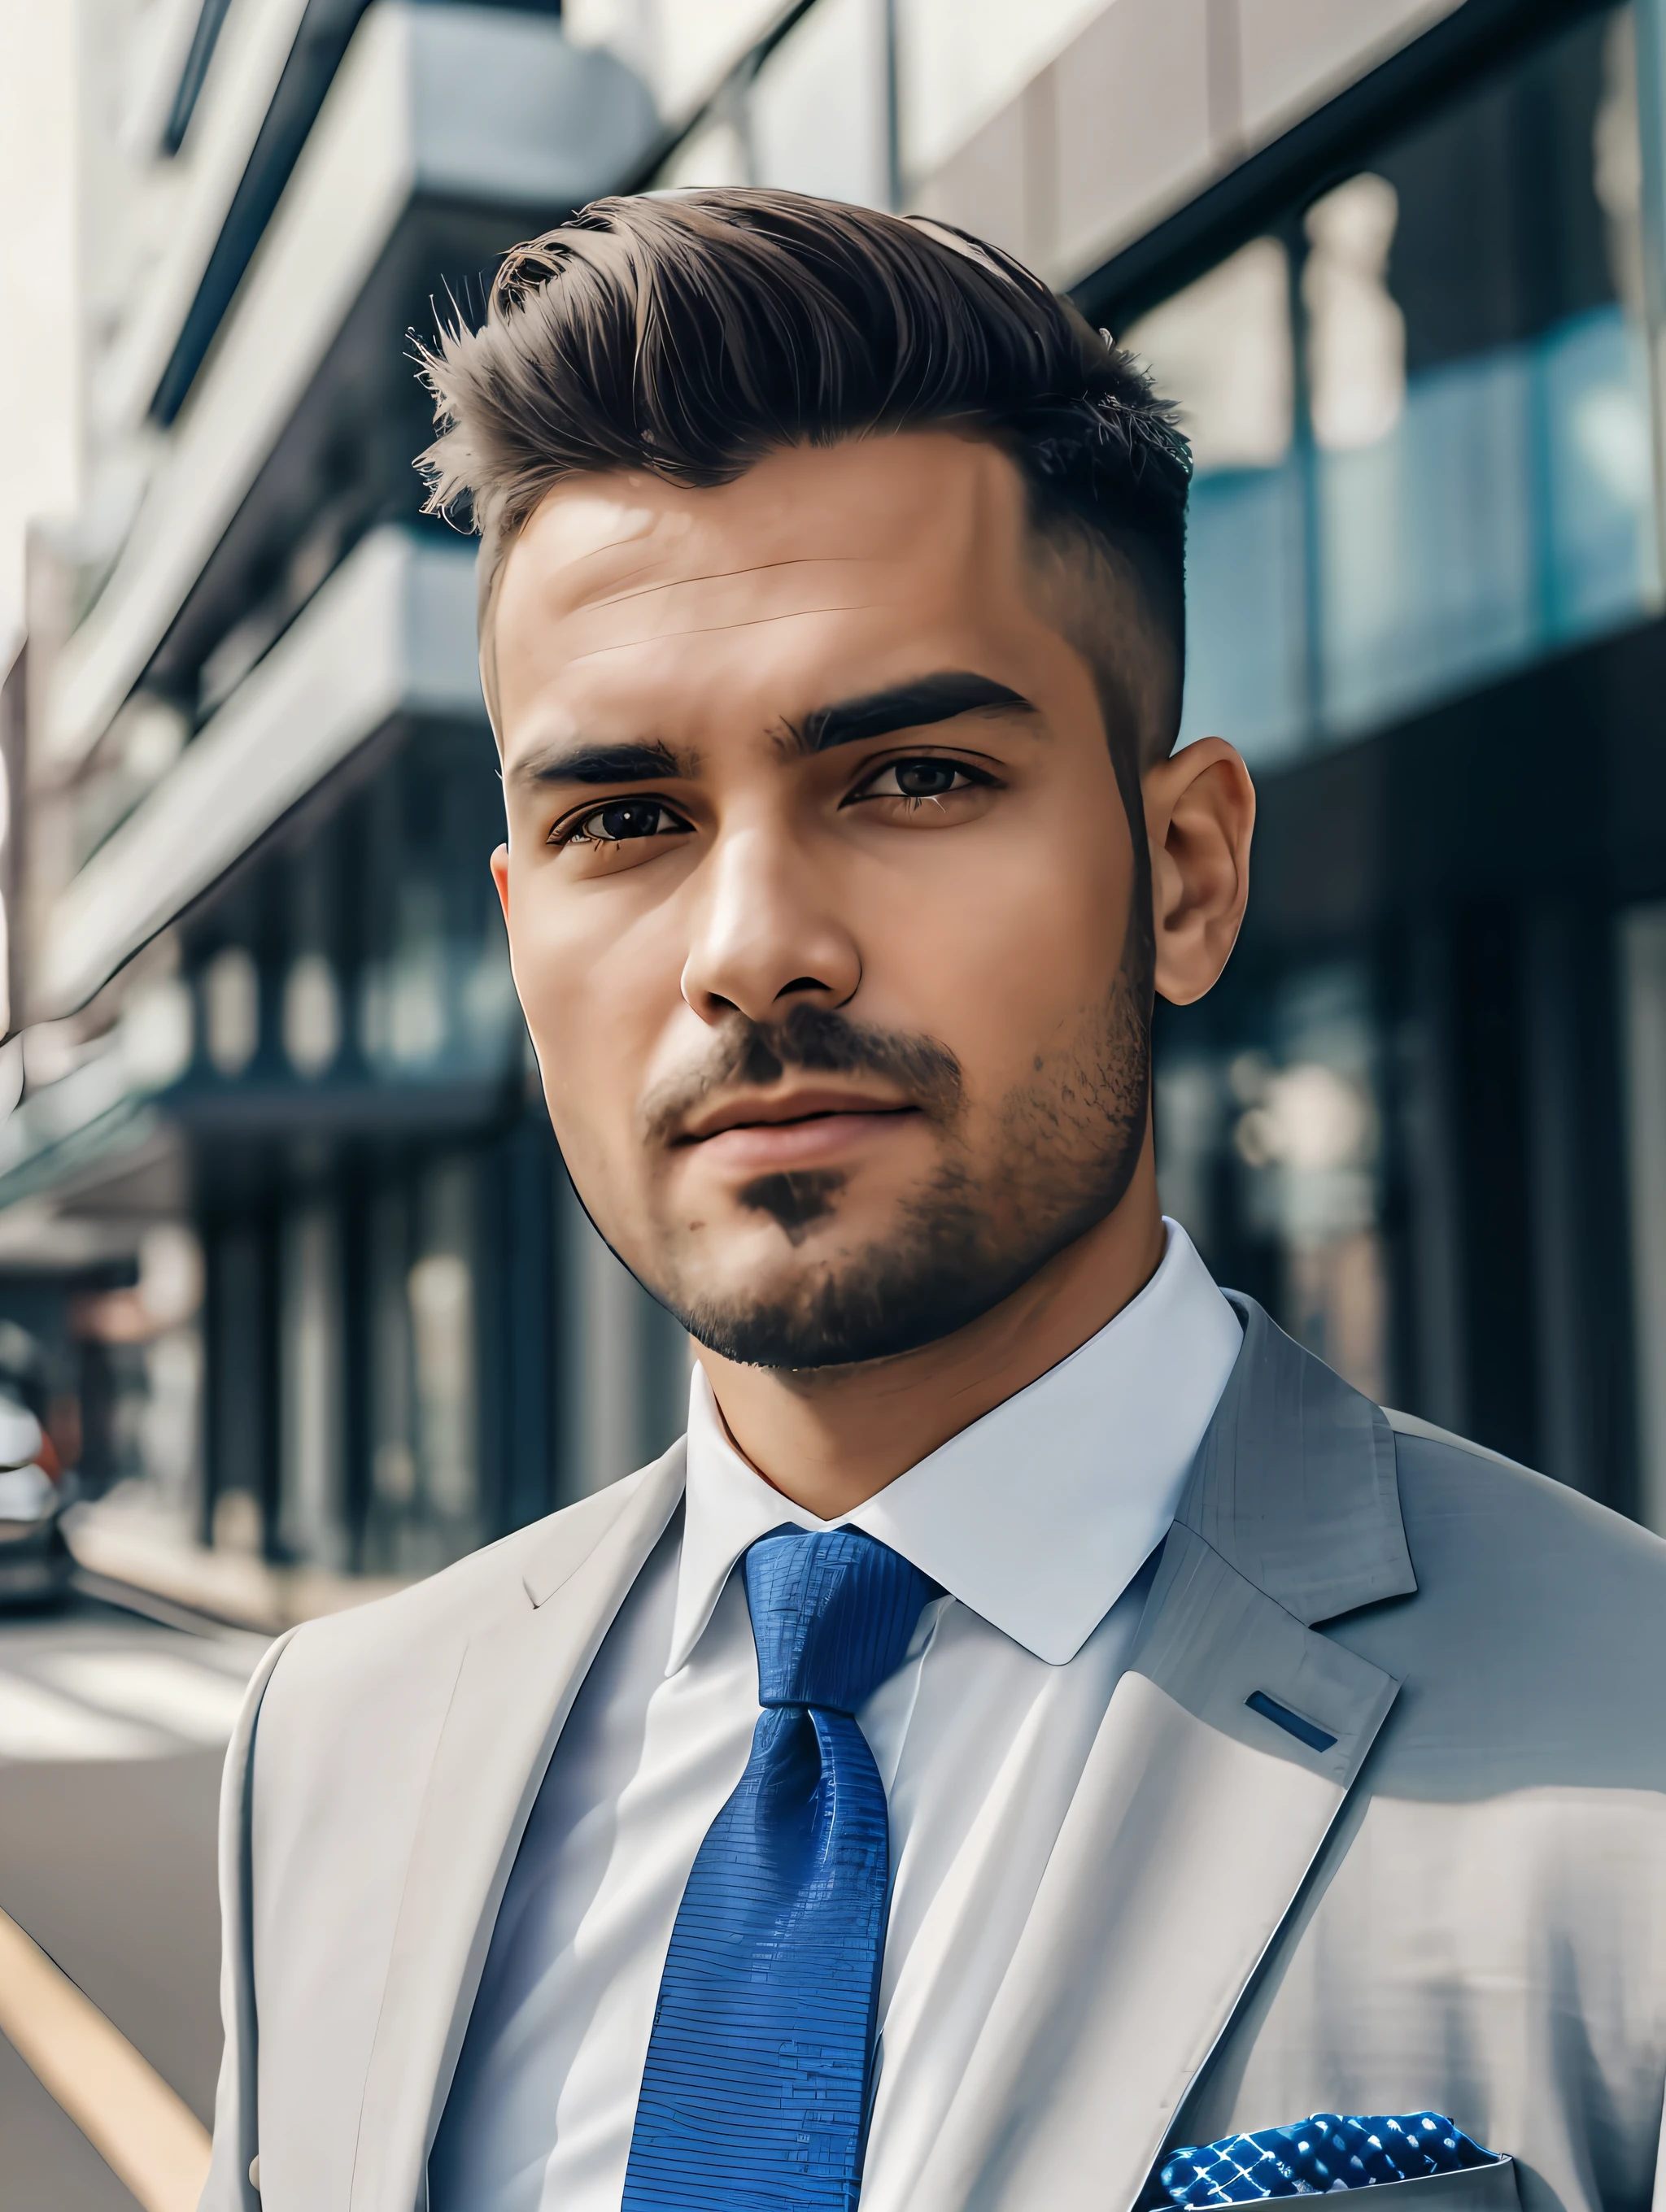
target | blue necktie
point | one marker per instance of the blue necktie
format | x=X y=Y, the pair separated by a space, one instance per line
x=755 y=2094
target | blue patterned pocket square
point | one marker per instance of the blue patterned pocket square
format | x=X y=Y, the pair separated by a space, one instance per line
x=1333 y=2150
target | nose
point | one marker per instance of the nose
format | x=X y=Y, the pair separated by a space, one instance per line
x=766 y=935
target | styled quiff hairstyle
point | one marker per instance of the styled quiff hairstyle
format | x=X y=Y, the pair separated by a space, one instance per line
x=690 y=333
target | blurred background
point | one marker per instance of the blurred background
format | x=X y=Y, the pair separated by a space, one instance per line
x=291 y=1277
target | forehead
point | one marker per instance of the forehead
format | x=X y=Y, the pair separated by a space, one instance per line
x=624 y=582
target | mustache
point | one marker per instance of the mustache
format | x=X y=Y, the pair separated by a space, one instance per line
x=817 y=1039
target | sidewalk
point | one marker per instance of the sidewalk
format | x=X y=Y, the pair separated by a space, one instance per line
x=126 y=1541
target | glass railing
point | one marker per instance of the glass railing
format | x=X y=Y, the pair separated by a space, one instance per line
x=1507 y=514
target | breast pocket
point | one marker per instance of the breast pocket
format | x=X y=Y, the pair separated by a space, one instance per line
x=1472 y=2189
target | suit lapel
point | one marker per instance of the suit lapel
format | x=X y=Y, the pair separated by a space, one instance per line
x=515 y=1686
x=1294 y=1482
x=1198 y=1816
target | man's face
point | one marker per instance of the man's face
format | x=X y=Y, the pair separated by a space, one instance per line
x=818 y=886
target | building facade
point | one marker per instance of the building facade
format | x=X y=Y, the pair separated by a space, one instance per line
x=1423 y=1117
x=283 y=1214
x=279 y=1213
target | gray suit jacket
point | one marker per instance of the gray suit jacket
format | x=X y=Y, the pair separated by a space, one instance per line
x=1457 y=1901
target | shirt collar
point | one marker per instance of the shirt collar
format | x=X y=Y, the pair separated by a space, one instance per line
x=1038 y=1515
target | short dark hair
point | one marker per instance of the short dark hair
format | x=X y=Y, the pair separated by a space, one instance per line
x=690 y=333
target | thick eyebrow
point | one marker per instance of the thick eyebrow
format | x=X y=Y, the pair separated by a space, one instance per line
x=914 y=706
x=595 y=764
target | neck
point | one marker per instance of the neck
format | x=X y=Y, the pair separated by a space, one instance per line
x=830 y=1437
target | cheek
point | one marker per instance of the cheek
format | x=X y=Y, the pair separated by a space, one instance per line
x=599 y=990
x=1002 y=946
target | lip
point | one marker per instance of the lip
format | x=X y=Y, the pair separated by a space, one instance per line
x=792 y=1129
x=769 y=1109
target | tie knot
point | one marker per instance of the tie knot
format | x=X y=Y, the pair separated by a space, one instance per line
x=832 y=1613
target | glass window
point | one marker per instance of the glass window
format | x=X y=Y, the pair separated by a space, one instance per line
x=432 y=995
x=628 y=1395
x=1459 y=480
x=440 y=1290
x=231 y=1010
x=392 y=1444
x=311 y=1520
x=1269 y=1145
x=1246 y=640
x=1642 y=933
x=1479 y=387
x=1356 y=332
x=311 y=1015
x=1223 y=351
x=425 y=1507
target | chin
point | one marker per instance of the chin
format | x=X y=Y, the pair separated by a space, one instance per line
x=876 y=1306
x=760 y=1277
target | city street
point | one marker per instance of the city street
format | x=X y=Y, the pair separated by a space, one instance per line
x=111 y=1732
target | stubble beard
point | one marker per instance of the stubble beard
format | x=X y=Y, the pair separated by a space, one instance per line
x=1064 y=1153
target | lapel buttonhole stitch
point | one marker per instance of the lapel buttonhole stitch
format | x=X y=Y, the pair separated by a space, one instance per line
x=1316 y=1739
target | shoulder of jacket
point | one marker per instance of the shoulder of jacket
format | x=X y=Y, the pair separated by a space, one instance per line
x=1411 y=1424
x=1430 y=1458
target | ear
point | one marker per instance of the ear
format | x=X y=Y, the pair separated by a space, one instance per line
x=501 y=878
x=1199 y=816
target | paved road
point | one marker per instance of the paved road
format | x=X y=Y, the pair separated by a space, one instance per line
x=112 y=1733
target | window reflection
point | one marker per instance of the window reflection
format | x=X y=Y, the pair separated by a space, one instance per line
x=231 y=1010
x=311 y=1521
x=425 y=1506
x=1222 y=351
x=440 y=1289
x=1356 y=333
x=1466 y=484
x=311 y=1015
x=1269 y=1150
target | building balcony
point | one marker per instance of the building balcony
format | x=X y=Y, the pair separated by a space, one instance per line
x=388 y=639
x=1128 y=116
x=448 y=132
x=216 y=164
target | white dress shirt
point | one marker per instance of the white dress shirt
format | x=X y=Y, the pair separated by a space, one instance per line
x=1038 y=1521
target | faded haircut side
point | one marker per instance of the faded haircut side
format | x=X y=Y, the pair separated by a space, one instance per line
x=689 y=334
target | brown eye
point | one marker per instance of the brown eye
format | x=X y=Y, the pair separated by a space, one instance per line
x=622 y=819
x=926 y=778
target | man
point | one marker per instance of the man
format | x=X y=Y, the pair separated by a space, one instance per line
x=1040 y=1727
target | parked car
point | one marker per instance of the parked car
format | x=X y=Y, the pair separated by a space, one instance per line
x=34 y=1560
